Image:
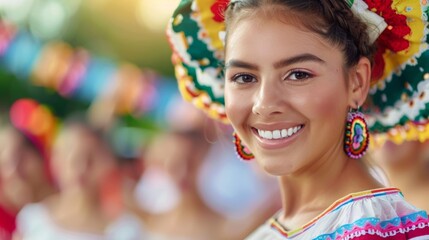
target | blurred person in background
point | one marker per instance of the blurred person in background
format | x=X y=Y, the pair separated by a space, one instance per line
x=171 y=201
x=25 y=176
x=82 y=161
x=406 y=167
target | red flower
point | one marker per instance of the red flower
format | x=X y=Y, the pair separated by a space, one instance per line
x=218 y=10
x=393 y=37
x=378 y=68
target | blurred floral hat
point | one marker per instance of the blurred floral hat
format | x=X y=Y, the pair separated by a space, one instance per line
x=37 y=123
x=397 y=108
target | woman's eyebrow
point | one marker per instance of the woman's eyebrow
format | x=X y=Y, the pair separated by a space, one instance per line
x=240 y=64
x=306 y=57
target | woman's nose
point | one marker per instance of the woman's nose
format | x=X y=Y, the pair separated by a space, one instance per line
x=268 y=100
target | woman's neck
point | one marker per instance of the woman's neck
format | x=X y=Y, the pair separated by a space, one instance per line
x=78 y=211
x=76 y=200
x=9 y=205
x=191 y=204
x=14 y=198
x=307 y=194
x=43 y=192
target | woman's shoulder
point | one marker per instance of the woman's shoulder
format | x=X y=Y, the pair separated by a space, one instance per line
x=36 y=211
x=33 y=220
x=382 y=204
x=126 y=226
x=379 y=213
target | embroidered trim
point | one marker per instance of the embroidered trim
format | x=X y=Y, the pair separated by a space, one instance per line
x=334 y=207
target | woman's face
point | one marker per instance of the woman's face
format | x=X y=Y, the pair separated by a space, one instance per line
x=21 y=167
x=182 y=158
x=79 y=159
x=285 y=94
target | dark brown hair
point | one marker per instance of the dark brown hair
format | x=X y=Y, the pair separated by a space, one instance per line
x=331 y=19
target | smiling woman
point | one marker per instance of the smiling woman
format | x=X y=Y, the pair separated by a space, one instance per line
x=292 y=83
x=296 y=74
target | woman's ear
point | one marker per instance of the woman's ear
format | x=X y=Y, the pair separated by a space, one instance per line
x=359 y=82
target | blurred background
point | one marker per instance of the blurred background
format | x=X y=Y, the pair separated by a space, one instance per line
x=113 y=33
x=107 y=63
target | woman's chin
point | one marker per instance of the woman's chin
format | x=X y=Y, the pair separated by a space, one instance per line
x=276 y=167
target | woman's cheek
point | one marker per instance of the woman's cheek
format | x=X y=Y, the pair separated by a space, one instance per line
x=326 y=103
x=236 y=105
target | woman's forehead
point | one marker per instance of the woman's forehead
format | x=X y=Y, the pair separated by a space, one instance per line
x=265 y=35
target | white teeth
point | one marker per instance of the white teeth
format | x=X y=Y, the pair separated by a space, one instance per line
x=268 y=135
x=284 y=133
x=289 y=132
x=277 y=134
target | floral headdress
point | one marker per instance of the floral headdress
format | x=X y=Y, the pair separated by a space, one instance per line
x=37 y=124
x=399 y=94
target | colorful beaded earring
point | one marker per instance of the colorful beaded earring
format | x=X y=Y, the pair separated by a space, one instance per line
x=356 y=136
x=242 y=151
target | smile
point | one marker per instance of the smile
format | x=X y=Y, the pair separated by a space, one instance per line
x=279 y=134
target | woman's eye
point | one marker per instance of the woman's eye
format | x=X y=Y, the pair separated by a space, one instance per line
x=243 y=78
x=298 y=75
